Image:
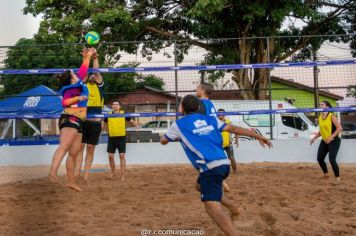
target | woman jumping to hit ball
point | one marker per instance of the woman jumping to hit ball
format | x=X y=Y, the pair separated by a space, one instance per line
x=330 y=129
x=75 y=95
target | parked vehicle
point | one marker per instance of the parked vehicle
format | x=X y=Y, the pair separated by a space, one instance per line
x=348 y=130
x=156 y=126
x=284 y=125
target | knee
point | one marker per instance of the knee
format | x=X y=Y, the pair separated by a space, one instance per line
x=90 y=148
x=64 y=147
x=111 y=157
x=74 y=153
x=122 y=157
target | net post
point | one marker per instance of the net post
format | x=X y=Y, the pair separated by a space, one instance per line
x=176 y=76
x=316 y=83
x=269 y=88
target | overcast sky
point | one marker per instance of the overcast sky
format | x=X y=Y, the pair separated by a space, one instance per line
x=14 y=24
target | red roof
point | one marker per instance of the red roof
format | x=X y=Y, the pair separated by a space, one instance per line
x=225 y=95
x=152 y=96
x=147 y=96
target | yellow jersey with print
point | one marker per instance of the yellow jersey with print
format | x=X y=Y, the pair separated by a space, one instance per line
x=95 y=98
x=226 y=135
x=116 y=125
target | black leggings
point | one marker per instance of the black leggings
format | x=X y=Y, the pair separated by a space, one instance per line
x=331 y=148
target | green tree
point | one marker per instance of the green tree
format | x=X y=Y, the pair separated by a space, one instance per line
x=129 y=82
x=28 y=54
x=118 y=20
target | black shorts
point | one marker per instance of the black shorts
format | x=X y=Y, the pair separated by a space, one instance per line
x=91 y=132
x=117 y=143
x=70 y=121
x=229 y=151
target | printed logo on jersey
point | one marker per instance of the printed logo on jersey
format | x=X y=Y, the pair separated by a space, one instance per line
x=202 y=128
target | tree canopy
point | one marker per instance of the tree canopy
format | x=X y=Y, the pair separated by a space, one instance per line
x=66 y=21
x=27 y=54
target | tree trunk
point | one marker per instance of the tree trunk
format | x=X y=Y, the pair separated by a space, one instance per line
x=261 y=84
x=258 y=88
x=260 y=81
x=241 y=77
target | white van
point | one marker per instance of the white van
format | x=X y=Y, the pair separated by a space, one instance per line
x=284 y=126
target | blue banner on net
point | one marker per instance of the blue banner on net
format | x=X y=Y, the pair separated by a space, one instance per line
x=178 y=68
x=167 y=114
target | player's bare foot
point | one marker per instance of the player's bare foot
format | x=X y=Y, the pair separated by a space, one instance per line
x=85 y=178
x=122 y=177
x=337 y=179
x=112 y=176
x=74 y=187
x=54 y=179
x=226 y=187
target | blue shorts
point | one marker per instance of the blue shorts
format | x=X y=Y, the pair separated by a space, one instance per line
x=211 y=183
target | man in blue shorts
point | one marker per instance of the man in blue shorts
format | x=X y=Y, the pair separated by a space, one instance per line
x=206 y=107
x=200 y=136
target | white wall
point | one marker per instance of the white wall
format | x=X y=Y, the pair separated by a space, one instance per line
x=154 y=153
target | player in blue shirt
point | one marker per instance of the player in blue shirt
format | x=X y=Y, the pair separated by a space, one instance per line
x=203 y=92
x=200 y=136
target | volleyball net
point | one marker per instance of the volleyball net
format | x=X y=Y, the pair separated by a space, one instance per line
x=151 y=90
x=290 y=87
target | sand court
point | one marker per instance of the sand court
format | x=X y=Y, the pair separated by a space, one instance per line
x=275 y=199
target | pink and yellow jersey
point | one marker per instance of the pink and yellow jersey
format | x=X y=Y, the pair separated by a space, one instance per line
x=76 y=108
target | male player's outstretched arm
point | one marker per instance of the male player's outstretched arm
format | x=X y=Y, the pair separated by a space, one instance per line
x=171 y=135
x=246 y=132
x=97 y=76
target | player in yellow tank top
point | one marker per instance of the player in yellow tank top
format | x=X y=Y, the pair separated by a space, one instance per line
x=226 y=136
x=95 y=98
x=329 y=130
x=91 y=126
x=117 y=138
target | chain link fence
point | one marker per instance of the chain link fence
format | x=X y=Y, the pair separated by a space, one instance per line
x=248 y=88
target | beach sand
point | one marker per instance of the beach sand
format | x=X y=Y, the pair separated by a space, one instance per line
x=275 y=199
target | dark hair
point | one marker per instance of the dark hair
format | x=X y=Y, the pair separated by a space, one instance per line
x=207 y=88
x=328 y=104
x=221 y=110
x=65 y=78
x=116 y=101
x=190 y=104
